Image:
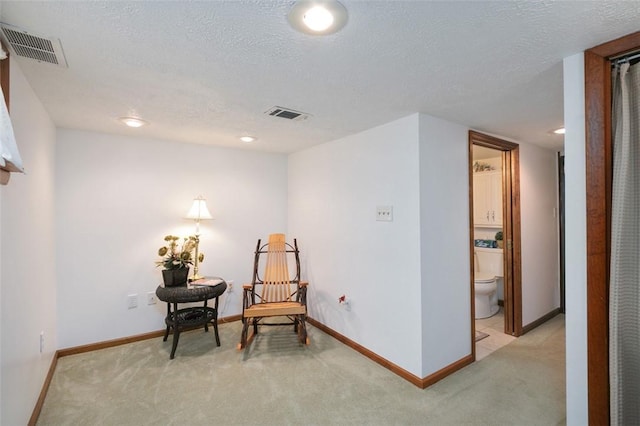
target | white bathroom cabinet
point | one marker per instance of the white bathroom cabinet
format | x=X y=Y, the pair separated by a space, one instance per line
x=487 y=199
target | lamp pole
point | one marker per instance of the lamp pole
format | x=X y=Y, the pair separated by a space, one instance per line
x=195 y=263
x=198 y=212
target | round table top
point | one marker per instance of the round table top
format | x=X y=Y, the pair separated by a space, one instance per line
x=184 y=294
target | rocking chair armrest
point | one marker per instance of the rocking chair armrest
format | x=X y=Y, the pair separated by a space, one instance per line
x=302 y=292
x=247 y=297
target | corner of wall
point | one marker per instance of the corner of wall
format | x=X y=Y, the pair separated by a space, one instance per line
x=27 y=239
x=444 y=217
x=354 y=254
x=575 y=247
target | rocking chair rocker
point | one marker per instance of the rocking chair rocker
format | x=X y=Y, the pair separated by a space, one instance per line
x=281 y=295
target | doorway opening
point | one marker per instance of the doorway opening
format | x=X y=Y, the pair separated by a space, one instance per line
x=505 y=218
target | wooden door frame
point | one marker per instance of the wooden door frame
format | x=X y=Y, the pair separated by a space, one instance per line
x=599 y=172
x=511 y=231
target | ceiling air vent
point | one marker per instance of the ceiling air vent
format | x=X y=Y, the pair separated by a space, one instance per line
x=287 y=113
x=31 y=46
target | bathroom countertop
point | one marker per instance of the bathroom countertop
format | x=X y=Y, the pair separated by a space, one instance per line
x=487 y=249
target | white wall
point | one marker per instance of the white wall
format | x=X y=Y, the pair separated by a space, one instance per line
x=576 y=241
x=117 y=197
x=416 y=268
x=334 y=189
x=540 y=244
x=27 y=281
x=444 y=237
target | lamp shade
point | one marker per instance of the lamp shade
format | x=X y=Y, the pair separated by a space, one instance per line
x=199 y=210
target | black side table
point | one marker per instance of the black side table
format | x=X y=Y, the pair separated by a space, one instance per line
x=186 y=318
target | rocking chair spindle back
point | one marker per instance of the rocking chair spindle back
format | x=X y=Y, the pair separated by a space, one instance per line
x=281 y=295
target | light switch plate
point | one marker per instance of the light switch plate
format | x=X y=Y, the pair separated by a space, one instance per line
x=384 y=213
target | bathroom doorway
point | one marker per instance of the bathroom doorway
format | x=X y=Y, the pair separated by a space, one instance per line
x=505 y=218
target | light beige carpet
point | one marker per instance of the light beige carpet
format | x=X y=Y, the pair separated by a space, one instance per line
x=279 y=382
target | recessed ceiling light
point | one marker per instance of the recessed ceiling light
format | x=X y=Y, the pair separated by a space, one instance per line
x=559 y=131
x=318 y=17
x=247 y=139
x=133 y=121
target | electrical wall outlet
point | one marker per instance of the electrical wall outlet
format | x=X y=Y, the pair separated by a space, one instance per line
x=151 y=298
x=230 y=286
x=132 y=301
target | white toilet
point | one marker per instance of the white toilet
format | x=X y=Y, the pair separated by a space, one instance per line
x=488 y=272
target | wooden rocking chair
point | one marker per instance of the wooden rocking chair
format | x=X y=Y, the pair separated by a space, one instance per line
x=281 y=295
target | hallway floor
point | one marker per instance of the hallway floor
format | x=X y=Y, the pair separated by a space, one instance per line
x=327 y=383
x=494 y=327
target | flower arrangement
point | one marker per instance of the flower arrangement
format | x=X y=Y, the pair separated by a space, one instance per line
x=176 y=256
x=482 y=167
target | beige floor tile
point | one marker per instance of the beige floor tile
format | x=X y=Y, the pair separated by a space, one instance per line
x=481 y=351
x=483 y=323
x=496 y=340
x=496 y=321
x=494 y=327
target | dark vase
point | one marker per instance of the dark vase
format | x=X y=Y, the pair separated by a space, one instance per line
x=175 y=277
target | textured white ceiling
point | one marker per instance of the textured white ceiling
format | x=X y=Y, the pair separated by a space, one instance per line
x=205 y=72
